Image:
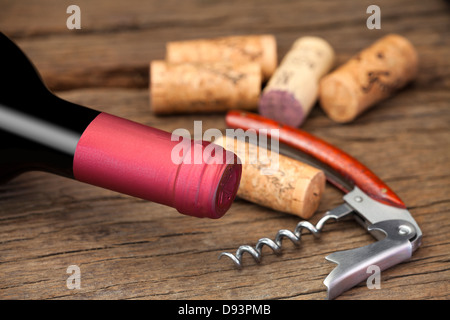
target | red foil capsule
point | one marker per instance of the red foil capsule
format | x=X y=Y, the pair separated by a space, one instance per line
x=131 y=158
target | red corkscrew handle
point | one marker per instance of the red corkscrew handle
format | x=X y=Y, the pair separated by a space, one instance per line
x=345 y=165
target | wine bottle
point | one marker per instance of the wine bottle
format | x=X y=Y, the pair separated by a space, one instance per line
x=40 y=131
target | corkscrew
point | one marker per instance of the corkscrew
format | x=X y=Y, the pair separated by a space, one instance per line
x=367 y=199
x=295 y=236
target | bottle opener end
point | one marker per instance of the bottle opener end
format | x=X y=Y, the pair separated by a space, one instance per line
x=353 y=266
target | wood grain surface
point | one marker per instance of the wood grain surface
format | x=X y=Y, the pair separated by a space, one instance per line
x=127 y=248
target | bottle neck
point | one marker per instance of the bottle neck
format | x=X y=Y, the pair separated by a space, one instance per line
x=40 y=133
x=37 y=129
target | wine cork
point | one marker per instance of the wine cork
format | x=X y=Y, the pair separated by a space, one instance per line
x=204 y=87
x=368 y=78
x=261 y=49
x=276 y=181
x=294 y=87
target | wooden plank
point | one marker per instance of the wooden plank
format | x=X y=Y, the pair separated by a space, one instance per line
x=33 y=19
x=117 y=42
x=131 y=249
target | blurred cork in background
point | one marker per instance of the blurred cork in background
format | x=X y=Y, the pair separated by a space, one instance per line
x=203 y=87
x=293 y=89
x=368 y=78
x=261 y=49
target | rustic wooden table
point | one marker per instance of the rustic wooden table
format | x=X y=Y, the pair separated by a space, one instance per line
x=128 y=248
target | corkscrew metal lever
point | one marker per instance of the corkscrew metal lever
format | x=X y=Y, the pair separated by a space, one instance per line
x=367 y=199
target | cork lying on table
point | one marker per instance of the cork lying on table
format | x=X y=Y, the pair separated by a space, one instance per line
x=369 y=77
x=276 y=181
x=261 y=49
x=293 y=89
x=203 y=87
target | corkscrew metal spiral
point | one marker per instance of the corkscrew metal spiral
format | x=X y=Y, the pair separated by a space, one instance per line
x=276 y=244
